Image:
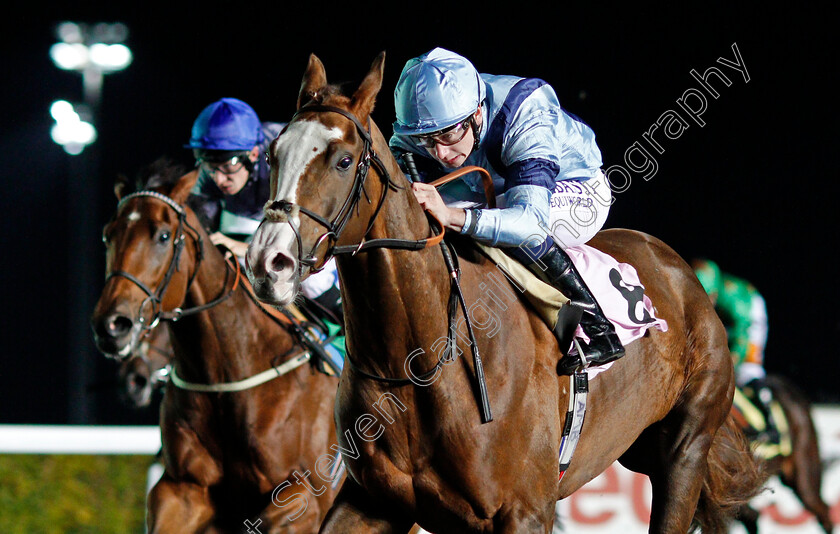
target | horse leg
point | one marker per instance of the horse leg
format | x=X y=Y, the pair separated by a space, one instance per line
x=178 y=507
x=515 y=521
x=802 y=470
x=802 y=473
x=291 y=511
x=354 y=511
x=677 y=483
x=673 y=453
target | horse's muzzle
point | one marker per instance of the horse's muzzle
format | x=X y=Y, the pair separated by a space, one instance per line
x=112 y=335
x=136 y=384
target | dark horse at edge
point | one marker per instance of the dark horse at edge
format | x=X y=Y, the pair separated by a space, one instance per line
x=801 y=470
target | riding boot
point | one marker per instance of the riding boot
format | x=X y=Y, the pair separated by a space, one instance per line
x=560 y=273
x=762 y=396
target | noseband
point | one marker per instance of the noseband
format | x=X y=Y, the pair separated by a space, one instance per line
x=282 y=210
x=154 y=298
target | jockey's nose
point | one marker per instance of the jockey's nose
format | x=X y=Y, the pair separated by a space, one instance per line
x=220 y=178
x=442 y=151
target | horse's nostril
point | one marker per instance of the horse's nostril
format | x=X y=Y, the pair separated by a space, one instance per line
x=118 y=325
x=281 y=262
x=138 y=381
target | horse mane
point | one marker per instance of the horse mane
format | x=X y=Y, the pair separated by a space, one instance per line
x=163 y=172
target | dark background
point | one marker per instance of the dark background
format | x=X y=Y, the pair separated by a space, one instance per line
x=754 y=189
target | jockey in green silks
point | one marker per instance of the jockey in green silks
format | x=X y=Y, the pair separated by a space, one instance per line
x=743 y=312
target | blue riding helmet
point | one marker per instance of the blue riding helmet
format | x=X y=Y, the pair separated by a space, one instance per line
x=436 y=90
x=228 y=124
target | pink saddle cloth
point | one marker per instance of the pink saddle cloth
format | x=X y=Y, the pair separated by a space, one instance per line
x=617 y=289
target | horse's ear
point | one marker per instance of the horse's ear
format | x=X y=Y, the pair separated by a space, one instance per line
x=181 y=190
x=361 y=105
x=120 y=185
x=314 y=82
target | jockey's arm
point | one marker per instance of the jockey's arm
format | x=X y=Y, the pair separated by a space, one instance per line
x=523 y=220
x=531 y=156
x=239 y=248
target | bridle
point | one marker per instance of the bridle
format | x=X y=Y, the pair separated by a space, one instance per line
x=154 y=298
x=282 y=210
x=283 y=318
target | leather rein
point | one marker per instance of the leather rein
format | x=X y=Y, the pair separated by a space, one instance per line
x=154 y=298
x=283 y=210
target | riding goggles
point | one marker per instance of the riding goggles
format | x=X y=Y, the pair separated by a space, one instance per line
x=227 y=167
x=446 y=137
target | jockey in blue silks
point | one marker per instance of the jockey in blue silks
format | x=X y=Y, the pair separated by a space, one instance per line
x=543 y=159
x=228 y=142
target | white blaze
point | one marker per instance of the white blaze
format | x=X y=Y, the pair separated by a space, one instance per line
x=294 y=151
x=301 y=143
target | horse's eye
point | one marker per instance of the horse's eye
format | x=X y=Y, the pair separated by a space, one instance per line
x=105 y=240
x=267 y=159
x=164 y=237
x=344 y=163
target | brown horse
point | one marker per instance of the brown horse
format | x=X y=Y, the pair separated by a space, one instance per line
x=146 y=370
x=229 y=457
x=417 y=451
x=801 y=470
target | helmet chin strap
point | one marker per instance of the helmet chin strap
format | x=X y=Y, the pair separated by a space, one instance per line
x=251 y=166
x=476 y=128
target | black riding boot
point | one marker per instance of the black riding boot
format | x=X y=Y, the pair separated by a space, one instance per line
x=604 y=345
x=761 y=396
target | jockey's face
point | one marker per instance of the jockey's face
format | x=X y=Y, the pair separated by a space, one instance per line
x=454 y=155
x=232 y=175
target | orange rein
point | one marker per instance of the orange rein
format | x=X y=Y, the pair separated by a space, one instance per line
x=489 y=192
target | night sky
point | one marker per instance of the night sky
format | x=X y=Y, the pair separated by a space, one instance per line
x=753 y=188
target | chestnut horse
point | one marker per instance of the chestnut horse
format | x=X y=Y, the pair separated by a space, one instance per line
x=230 y=457
x=146 y=370
x=418 y=451
x=801 y=470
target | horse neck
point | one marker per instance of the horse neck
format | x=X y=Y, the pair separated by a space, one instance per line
x=211 y=345
x=395 y=300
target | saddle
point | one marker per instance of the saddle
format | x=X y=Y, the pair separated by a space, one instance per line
x=615 y=285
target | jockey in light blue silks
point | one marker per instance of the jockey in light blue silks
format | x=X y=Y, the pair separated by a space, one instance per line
x=543 y=159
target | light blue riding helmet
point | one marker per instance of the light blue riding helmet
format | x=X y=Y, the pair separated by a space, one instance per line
x=436 y=90
x=227 y=124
